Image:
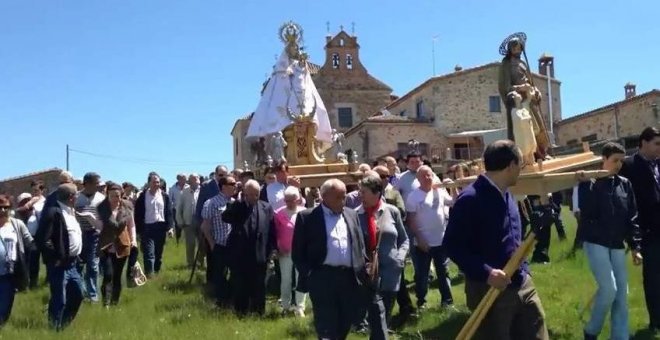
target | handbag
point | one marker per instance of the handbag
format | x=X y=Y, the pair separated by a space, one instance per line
x=139 y=279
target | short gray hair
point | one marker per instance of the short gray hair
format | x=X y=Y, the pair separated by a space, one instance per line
x=330 y=184
x=292 y=192
x=372 y=181
x=65 y=191
x=252 y=184
x=65 y=177
x=195 y=175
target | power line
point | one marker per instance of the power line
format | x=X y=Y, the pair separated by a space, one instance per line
x=145 y=161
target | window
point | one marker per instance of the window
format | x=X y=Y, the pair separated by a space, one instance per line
x=335 y=60
x=461 y=151
x=349 y=62
x=341 y=42
x=345 y=117
x=420 y=109
x=589 y=138
x=402 y=113
x=404 y=149
x=494 y=104
x=236 y=146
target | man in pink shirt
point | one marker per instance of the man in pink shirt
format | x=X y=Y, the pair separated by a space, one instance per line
x=285 y=219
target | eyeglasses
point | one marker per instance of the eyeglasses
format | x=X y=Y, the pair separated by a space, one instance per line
x=5 y=207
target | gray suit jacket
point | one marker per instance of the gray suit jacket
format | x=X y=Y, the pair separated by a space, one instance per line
x=393 y=246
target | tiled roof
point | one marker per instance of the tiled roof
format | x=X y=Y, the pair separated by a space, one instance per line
x=609 y=106
x=32 y=174
x=386 y=119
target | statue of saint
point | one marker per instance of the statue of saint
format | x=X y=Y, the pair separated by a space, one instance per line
x=337 y=145
x=259 y=151
x=277 y=145
x=521 y=100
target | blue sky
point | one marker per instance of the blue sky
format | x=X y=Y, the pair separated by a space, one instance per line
x=157 y=85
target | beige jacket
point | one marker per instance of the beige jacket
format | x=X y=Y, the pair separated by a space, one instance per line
x=185 y=206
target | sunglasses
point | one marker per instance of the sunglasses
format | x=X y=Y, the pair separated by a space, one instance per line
x=5 y=207
x=231 y=184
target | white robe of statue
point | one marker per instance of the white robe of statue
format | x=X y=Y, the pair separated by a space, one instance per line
x=290 y=85
x=523 y=130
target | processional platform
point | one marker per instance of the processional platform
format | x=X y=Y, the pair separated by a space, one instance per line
x=549 y=176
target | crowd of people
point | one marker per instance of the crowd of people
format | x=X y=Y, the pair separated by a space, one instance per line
x=344 y=246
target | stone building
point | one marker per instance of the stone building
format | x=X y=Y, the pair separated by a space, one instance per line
x=349 y=92
x=14 y=186
x=457 y=114
x=620 y=120
x=241 y=147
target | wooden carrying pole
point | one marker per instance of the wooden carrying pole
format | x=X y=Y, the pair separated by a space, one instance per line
x=471 y=326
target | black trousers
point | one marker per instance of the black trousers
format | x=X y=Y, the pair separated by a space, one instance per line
x=335 y=294
x=219 y=263
x=249 y=287
x=112 y=268
x=403 y=297
x=132 y=260
x=651 y=278
x=34 y=264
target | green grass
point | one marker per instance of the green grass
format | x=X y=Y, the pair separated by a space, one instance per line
x=169 y=308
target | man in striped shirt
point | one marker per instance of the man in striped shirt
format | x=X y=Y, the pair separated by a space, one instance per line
x=216 y=233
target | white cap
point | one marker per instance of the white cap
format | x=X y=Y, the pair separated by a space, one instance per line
x=23 y=196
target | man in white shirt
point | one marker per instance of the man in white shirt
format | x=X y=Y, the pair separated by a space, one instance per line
x=427 y=216
x=185 y=212
x=59 y=237
x=154 y=222
x=87 y=202
x=175 y=192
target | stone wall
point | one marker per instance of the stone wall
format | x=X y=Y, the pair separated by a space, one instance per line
x=459 y=102
x=17 y=185
x=241 y=149
x=619 y=120
x=375 y=139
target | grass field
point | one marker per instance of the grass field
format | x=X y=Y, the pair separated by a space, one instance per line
x=169 y=308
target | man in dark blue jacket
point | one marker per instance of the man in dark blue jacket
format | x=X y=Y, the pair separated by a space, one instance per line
x=643 y=171
x=483 y=232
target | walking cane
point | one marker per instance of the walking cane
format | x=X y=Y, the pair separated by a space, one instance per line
x=194 y=266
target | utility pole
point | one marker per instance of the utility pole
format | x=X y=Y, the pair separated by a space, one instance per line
x=67 y=157
x=434 y=39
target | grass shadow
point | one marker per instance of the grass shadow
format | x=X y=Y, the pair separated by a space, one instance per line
x=645 y=334
x=181 y=286
x=446 y=329
x=300 y=329
x=29 y=323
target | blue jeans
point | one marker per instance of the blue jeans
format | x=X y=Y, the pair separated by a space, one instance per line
x=91 y=263
x=7 y=293
x=609 y=269
x=153 y=242
x=439 y=257
x=66 y=294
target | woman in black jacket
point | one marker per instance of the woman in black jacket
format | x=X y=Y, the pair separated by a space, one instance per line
x=608 y=217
